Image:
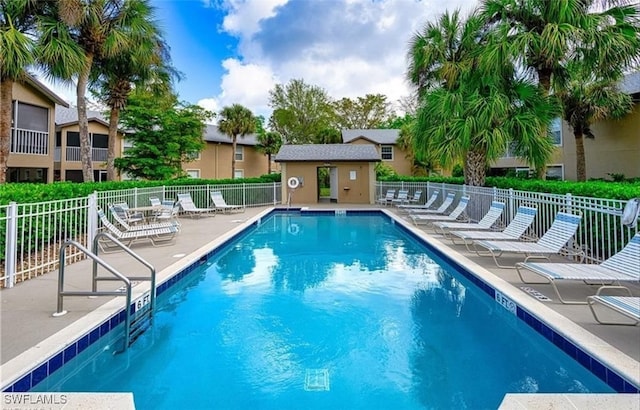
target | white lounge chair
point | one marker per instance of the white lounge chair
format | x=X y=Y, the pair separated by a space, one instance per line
x=221 y=205
x=442 y=209
x=426 y=205
x=513 y=232
x=186 y=204
x=385 y=200
x=402 y=198
x=455 y=215
x=627 y=306
x=486 y=223
x=562 y=229
x=157 y=236
x=624 y=266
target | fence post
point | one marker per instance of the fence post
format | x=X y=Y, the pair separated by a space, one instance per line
x=569 y=202
x=511 y=210
x=244 y=195
x=164 y=192
x=135 y=197
x=92 y=218
x=274 y=194
x=11 y=243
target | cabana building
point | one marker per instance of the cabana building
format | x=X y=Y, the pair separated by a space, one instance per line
x=346 y=172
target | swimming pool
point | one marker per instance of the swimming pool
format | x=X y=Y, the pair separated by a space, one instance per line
x=324 y=311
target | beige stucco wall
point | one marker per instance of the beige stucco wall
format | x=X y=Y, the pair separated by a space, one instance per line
x=215 y=162
x=615 y=148
x=29 y=95
x=358 y=191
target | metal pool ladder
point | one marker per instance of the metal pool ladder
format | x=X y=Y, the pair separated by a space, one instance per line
x=136 y=322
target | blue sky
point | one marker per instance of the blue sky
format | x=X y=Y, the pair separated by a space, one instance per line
x=235 y=51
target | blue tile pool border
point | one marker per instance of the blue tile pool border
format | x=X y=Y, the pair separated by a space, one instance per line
x=42 y=370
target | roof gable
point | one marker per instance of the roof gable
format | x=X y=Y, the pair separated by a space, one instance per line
x=327 y=152
x=378 y=136
x=32 y=81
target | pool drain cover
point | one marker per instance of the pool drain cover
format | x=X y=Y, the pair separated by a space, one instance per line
x=316 y=380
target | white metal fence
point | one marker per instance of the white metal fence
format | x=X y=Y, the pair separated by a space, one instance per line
x=601 y=232
x=31 y=234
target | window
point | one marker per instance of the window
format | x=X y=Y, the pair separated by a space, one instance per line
x=73 y=139
x=31 y=117
x=193 y=156
x=238 y=173
x=386 y=152
x=555 y=130
x=555 y=172
x=99 y=140
x=193 y=173
x=239 y=153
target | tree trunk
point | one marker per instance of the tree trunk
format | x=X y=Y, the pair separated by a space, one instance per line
x=269 y=164
x=581 y=164
x=475 y=167
x=544 y=81
x=83 y=122
x=6 y=94
x=233 y=156
x=114 y=117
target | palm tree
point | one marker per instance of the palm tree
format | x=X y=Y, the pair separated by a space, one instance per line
x=28 y=38
x=587 y=98
x=145 y=63
x=544 y=35
x=269 y=143
x=470 y=106
x=102 y=29
x=17 y=19
x=236 y=120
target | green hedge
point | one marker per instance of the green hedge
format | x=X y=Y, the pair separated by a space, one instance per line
x=29 y=193
x=593 y=189
x=43 y=229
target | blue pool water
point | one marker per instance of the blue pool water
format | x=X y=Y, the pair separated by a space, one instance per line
x=324 y=312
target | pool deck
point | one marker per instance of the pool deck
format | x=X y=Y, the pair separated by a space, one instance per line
x=26 y=321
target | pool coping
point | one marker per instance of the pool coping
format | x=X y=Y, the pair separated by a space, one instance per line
x=50 y=354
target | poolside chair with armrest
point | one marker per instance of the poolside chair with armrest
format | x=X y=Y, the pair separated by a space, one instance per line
x=627 y=306
x=221 y=205
x=624 y=266
x=188 y=207
x=416 y=197
x=486 y=223
x=116 y=212
x=402 y=198
x=456 y=215
x=514 y=231
x=441 y=210
x=385 y=200
x=157 y=235
x=122 y=208
x=426 y=205
x=564 y=226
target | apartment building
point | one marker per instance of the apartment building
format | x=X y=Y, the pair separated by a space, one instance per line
x=32 y=140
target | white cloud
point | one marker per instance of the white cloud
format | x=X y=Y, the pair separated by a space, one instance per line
x=244 y=16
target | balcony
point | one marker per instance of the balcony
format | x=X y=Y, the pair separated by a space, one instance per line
x=29 y=142
x=97 y=154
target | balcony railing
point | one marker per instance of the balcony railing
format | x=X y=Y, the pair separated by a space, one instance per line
x=97 y=154
x=29 y=142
